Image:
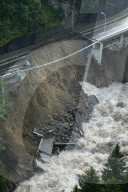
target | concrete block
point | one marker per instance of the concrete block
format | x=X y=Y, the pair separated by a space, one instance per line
x=45 y=157
x=46 y=145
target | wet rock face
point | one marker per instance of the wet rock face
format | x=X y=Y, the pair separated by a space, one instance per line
x=63 y=4
x=64 y=7
x=114 y=67
x=53 y=3
x=125 y=76
x=86 y=106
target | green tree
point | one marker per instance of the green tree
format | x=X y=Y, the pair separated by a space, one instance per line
x=76 y=189
x=3 y=180
x=125 y=176
x=4 y=106
x=115 y=166
x=124 y=186
x=20 y=17
x=89 y=181
x=111 y=186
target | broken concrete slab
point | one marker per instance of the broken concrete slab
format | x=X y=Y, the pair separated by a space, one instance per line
x=93 y=99
x=79 y=121
x=46 y=145
x=45 y=157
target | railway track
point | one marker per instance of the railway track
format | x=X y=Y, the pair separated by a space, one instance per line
x=12 y=56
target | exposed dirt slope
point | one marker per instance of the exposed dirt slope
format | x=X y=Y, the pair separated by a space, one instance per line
x=17 y=161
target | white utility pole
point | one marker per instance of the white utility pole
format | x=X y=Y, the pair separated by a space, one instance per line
x=104 y=23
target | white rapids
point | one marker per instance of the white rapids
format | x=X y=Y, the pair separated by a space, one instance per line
x=108 y=125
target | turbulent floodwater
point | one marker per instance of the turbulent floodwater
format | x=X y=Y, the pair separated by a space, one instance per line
x=107 y=126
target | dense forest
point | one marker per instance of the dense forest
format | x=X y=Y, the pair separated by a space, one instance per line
x=20 y=17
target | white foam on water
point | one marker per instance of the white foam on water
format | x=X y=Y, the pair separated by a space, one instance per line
x=108 y=125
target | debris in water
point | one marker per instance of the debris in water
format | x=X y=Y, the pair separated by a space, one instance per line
x=45 y=157
x=93 y=99
x=46 y=145
x=39 y=134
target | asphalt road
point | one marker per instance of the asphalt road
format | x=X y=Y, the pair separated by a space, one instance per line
x=111 y=30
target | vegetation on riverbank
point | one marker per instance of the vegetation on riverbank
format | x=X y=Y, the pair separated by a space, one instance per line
x=3 y=180
x=4 y=106
x=114 y=177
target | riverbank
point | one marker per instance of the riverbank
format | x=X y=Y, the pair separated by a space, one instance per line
x=107 y=126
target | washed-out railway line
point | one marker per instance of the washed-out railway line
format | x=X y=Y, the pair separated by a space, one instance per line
x=7 y=60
